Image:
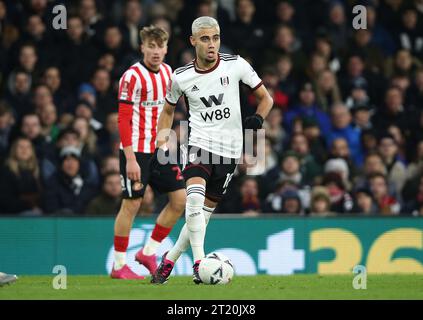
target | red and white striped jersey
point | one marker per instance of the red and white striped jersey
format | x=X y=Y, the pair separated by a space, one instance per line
x=141 y=99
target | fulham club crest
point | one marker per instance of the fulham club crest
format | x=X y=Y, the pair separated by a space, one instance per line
x=224 y=81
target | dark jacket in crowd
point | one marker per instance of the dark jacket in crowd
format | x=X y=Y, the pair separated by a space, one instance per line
x=18 y=193
x=67 y=195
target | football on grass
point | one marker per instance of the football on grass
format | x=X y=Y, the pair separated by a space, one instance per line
x=216 y=268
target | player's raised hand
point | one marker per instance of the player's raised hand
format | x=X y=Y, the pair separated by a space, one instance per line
x=133 y=170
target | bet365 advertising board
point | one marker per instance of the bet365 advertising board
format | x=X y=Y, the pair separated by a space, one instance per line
x=279 y=246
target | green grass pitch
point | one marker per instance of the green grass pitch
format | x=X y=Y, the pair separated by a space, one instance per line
x=252 y=287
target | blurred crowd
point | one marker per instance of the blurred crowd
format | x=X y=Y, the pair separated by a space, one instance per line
x=345 y=135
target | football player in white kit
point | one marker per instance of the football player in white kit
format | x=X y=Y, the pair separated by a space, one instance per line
x=210 y=86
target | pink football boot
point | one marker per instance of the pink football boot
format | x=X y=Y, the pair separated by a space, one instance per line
x=125 y=273
x=150 y=262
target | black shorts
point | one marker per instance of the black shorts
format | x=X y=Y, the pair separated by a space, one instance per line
x=162 y=178
x=216 y=170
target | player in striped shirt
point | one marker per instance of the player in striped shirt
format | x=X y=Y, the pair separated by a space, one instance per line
x=142 y=90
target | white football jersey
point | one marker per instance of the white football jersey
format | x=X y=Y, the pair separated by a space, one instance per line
x=212 y=98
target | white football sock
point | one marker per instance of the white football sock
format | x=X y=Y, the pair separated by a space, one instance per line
x=180 y=246
x=195 y=219
x=207 y=213
x=150 y=247
x=182 y=243
x=120 y=260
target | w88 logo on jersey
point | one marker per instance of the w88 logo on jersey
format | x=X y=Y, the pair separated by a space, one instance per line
x=218 y=114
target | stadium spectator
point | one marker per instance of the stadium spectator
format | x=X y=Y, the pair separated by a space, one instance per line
x=274 y=130
x=307 y=108
x=113 y=43
x=108 y=135
x=86 y=92
x=380 y=35
x=271 y=80
x=402 y=63
x=337 y=25
x=286 y=42
x=368 y=141
x=320 y=202
x=92 y=19
x=415 y=167
x=84 y=109
x=287 y=13
x=288 y=82
x=27 y=60
x=20 y=184
x=78 y=54
x=362 y=114
x=410 y=36
x=131 y=23
x=386 y=203
x=287 y=201
x=316 y=65
x=7 y=121
x=108 y=202
x=31 y=128
x=340 y=149
x=247 y=36
x=399 y=139
x=70 y=137
x=9 y=34
x=315 y=139
x=287 y=169
x=36 y=32
x=414 y=206
x=416 y=90
x=340 y=167
x=342 y=127
x=87 y=137
x=373 y=56
x=262 y=163
x=354 y=72
x=52 y=78
x=364 y=202
x=48 y=118
x=42 y=97
x=357 y=96
x=373 y=163
x=309 y=168
x=396 y=170
x=341 y=200
x=246 y=201
x=18 y=93
x=109 y=164
x=105 y=101
x=324 y=47
x=68 y=192
x=327 y=90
